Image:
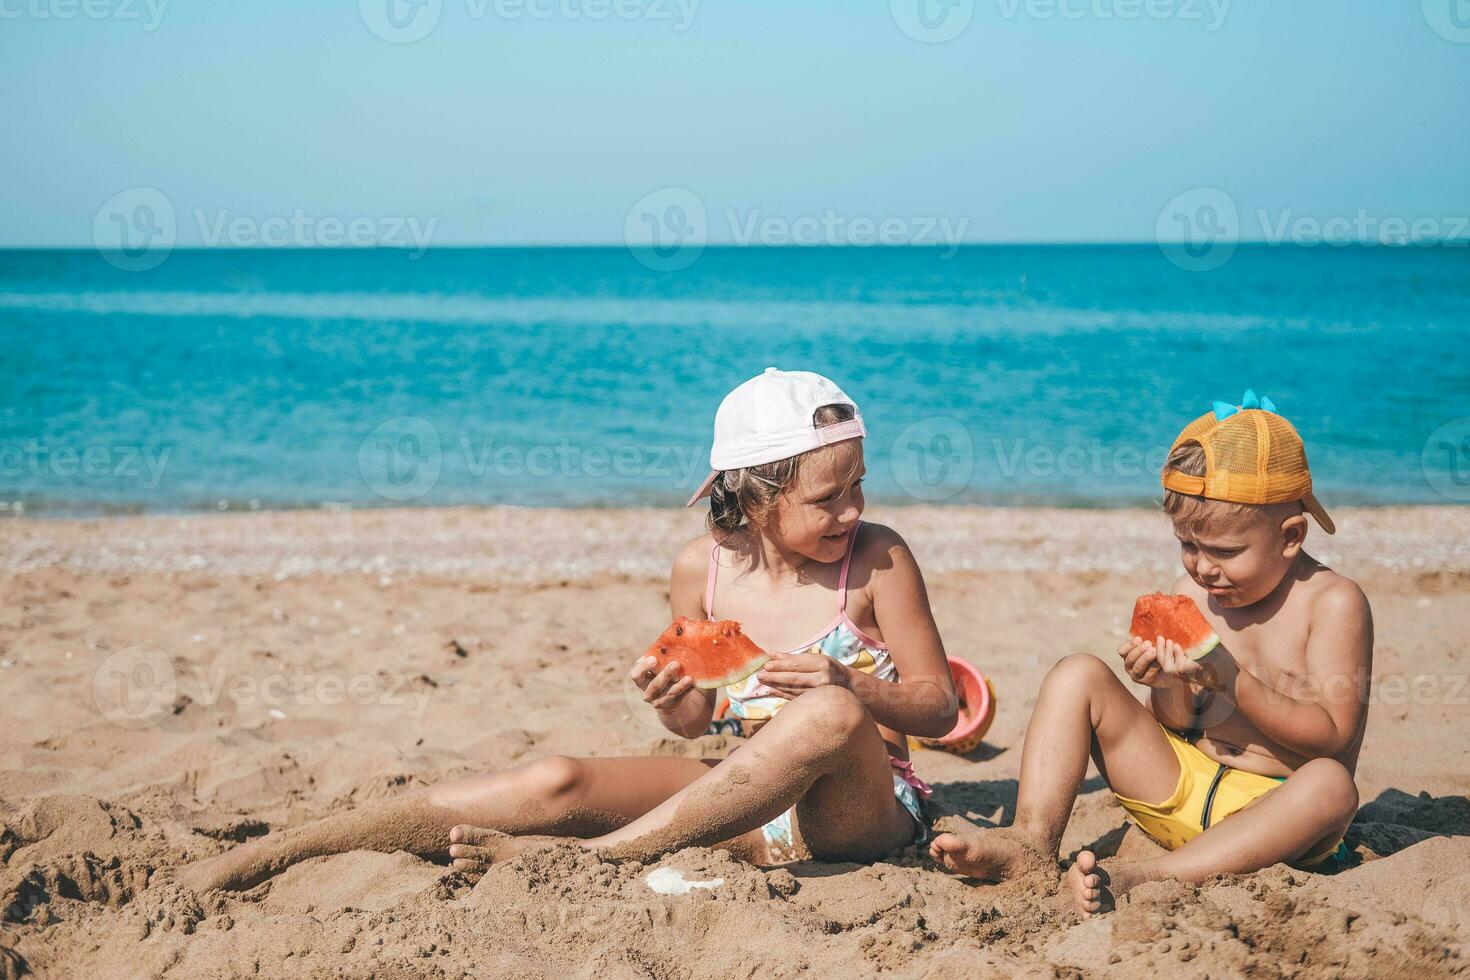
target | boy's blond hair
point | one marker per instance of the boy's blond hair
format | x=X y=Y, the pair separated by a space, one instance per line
x=1192 y=514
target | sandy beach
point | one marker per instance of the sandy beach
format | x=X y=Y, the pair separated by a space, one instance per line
x=174 y=685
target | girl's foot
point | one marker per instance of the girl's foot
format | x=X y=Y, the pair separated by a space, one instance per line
x=1095 y=889
x=232 y=870
x=474 y=849
x=989 y=855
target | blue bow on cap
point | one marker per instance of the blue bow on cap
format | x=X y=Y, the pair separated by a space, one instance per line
x=1223 y=410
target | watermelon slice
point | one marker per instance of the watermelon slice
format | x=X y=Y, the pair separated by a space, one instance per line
x=1174 y=617
x=714 y=654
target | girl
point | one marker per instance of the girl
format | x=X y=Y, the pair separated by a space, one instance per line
x=825 y=771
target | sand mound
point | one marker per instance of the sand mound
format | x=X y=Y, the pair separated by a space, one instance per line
x=71 y=849
x=1299 y=924
x=564 y=911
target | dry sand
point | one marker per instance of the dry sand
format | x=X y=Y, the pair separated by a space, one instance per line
x=174 y=685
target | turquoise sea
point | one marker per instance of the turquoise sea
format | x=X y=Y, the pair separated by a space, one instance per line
x=231 y=379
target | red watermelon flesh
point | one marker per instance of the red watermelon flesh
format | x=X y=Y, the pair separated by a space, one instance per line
x=713 y=654
x=1176 y=618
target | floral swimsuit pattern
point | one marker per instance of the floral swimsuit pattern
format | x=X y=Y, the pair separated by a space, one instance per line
x=845 y=642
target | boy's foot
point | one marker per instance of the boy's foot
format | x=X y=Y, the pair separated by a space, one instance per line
x=1095 y=889
x=989 y=855
x=474 y=849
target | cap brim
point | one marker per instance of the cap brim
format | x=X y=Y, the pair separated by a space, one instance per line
x=703 y=490
x=1313 y=507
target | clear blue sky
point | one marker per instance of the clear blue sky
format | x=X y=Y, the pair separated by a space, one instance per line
x=520 y=129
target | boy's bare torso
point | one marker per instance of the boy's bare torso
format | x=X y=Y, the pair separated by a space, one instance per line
x=1269 y=640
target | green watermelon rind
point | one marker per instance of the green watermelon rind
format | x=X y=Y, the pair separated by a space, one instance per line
x=1201 y=650
x=734 y=677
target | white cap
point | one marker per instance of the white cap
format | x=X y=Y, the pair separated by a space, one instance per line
x=769 y=417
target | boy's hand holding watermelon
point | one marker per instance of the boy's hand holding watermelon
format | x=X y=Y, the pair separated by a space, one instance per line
x=1180 y=648
x=1162 y=663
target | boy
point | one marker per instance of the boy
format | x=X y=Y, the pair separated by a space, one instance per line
x=1264 y=730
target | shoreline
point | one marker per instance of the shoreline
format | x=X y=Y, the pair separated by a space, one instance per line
x=529 y=545
x=62 y=509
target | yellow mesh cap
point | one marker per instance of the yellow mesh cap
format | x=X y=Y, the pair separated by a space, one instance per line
x=1252 y=456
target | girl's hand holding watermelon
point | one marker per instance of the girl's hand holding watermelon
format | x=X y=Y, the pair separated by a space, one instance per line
x=791 y=674
x=665 y=689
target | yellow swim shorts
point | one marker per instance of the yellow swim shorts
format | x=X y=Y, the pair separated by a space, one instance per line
x=1206 y=793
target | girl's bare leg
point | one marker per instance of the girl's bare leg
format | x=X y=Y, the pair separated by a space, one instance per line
x=1082 y=709
x=822 y=754
x=555 y=795
x=1310 y=810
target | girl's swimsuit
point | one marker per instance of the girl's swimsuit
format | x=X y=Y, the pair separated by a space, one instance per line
x=845 y=643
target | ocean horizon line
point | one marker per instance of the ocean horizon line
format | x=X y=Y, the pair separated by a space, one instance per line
x=756 y=246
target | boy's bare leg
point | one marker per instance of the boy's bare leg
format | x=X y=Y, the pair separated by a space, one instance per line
x=1082 y=708
x=822 y=753
x=1310 y=810
x=555 y=795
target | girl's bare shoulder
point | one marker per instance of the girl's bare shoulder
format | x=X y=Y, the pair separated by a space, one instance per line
x=687 y=580
x=883 y=551
x=693 y=556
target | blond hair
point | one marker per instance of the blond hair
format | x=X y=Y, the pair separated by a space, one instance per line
x=749 y=496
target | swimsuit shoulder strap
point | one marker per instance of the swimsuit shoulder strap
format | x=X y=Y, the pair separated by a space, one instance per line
x=846 y=561
x=709 y=586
